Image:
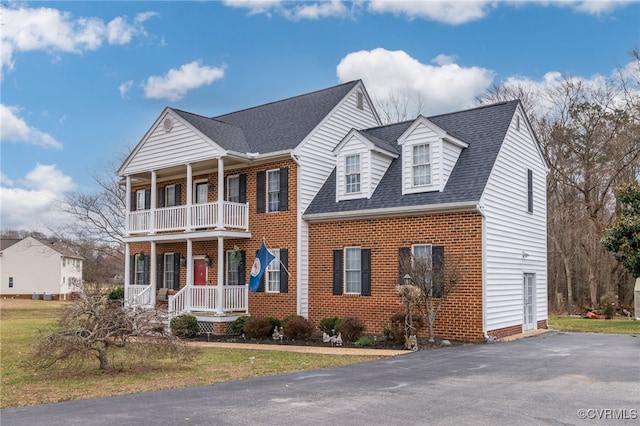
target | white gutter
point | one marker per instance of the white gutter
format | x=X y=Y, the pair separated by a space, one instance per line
x=391 y=212
x=298 y=240
x=484 y=271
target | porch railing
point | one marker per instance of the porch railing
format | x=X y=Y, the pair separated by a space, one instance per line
x=205 y=215
x=138 y=295
x=204 y=298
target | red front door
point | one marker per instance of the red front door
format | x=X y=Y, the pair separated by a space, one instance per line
x=199 y=272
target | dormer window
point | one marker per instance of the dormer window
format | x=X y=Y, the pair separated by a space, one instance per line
x=421 y=165
x=352 y=174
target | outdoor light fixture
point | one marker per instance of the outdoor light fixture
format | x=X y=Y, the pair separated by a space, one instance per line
x=406 y=279
x=183 y=260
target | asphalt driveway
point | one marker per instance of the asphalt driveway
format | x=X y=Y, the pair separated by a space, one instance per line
x=555 y=378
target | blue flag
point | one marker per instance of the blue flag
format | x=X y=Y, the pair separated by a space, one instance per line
x=263 y=258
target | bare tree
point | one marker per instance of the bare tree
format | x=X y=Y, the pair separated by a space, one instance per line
x=435 y=277
x=92 y=326
x=398 y=107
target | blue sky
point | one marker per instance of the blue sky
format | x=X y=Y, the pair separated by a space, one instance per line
x=83 y=81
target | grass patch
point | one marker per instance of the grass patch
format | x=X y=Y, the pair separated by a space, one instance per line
x=20 y=385
x=585 y=325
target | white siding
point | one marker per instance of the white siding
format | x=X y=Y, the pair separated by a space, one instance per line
x=515 y=241
x=180 y=146
x=35 y=268
x=316 y=161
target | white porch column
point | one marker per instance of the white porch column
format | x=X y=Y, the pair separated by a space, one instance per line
x=220 y=304
x=152 y=218
x=189 y=271
x=154 y=273
x=127 y=267
x=127 y=206
x=189 y=195
x=220 y=224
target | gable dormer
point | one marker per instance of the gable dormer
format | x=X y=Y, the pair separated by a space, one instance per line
x=429 y=154
x=361 y=161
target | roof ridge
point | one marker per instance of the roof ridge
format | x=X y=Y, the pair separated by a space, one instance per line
x=495 y=104
x=286 y=99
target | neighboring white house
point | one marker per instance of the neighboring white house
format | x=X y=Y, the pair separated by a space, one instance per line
x=32 y=266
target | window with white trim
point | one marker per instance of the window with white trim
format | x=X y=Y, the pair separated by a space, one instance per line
x=272 y=273
x=352 y=270
x=169 y=272
x=233 y=189
x=233 y=263
x=352 y=173
x=170 y=196
x=140 y=199
x=139 y=268
x=273 y=190
x=10 y=282
x=421 y=165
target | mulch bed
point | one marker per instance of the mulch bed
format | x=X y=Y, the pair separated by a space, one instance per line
x=316 y=340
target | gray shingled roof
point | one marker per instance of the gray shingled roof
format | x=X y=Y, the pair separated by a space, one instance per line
x=272 y=127
x=483 y=128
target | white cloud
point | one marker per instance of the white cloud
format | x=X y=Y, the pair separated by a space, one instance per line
x=15 y=129
x=445 y=86
x=177 y=82
x=32 y=205
x=28 y=29
x=5 y=180
x=124 y=88
x=448 y=12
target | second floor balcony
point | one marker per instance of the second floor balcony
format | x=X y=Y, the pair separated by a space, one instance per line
x=218 y=215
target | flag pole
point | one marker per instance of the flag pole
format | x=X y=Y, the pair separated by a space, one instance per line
x=264 y=241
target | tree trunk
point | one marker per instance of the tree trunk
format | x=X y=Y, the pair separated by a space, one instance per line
x=102 y=357
x=593 y=286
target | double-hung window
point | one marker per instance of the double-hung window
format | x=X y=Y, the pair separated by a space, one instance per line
x=169 y=273
x=170 y=196
x=421 y=164
x=273 y=190
x=139 y=268
x=233 y=263
x=272 y=273
x=352 y=174
x=233 y=189
x=352 y=270
x=140 y=200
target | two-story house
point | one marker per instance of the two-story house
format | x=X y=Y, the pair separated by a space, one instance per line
x=337 y=197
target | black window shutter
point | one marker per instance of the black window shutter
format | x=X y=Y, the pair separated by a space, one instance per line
x=176 y=271
x=283 y=204
x=242 y=274
x=134 y=201
x=404 y=263
x=437 y=263
x=530 y=191
x=337 y=272
x=260 y=190
x=161 y=197
x=147 y=199
x=284 y=275
x=146 y=270
x=365 y=260
x=132 y=269
x=178 y=194
x=159 y=271
x=242 y=183
x=261 y=286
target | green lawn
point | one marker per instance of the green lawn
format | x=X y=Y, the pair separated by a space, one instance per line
x=617 y=325
x=21 y=384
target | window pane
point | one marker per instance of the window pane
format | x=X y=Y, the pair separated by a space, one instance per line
x=352 y=270
x=140 y=200
x=352 y=173
x=273 y=190
x=233 y=189
x=168 y=270
x=421 y=165
x=273 y=272
x=139 y=269
x=233 y=262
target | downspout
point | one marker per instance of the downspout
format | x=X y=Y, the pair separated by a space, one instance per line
x=298 y=236
x=484 y=272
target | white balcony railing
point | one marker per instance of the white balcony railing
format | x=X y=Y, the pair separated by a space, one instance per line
x=138 y=295
x=235 y=215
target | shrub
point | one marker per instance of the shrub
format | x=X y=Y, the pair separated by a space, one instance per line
x=298 y=328
x=237 y=326
x=363 y=341
x=327 y=325
x=117 y=293
x=275 y=322
x=256 y=327
x=607 y=307
x=351 y=328
x=184 y=326
x=396 y=328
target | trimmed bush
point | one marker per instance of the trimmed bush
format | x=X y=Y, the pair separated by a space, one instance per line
x=117 y=293
x=363 y=341
x=185 y=326
x=297 y=328
x=351 y=328
x=257 y=327
x=396 y=328
x=237 y=326
x=328 y=324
